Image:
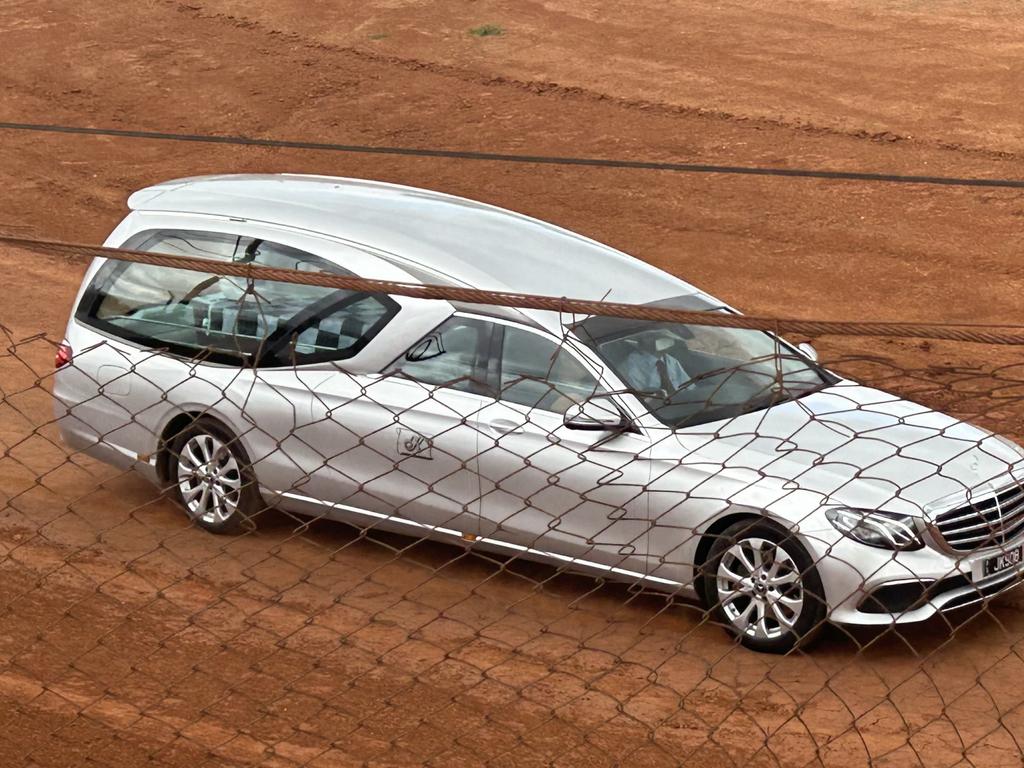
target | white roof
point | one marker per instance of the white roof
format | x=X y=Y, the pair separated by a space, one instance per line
x=471 y=243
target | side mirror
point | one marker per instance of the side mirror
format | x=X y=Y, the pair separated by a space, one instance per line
x=808 y=351
x=598 y=413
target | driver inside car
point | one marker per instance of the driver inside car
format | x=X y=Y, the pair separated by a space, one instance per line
x=649 y=370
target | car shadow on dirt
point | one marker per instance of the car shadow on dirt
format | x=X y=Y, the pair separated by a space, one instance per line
x=468 y=570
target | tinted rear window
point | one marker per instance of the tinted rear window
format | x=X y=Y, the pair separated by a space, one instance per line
x=228 y=319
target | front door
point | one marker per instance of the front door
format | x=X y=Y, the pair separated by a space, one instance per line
x=575 y=494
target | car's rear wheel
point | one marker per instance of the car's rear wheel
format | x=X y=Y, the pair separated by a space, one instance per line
x=212 y=477
x=761 y=585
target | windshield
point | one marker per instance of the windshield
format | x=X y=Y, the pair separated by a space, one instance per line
x=693 y=374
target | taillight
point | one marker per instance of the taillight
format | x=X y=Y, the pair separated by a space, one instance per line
x=64 y=355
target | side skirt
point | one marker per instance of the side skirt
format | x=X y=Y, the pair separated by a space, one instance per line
x=406 y=526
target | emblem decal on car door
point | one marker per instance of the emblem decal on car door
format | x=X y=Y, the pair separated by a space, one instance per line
x=413 y=444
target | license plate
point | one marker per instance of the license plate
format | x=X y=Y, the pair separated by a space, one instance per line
x=1011 y=558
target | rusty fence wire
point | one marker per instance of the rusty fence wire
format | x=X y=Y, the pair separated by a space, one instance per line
x=234 y=534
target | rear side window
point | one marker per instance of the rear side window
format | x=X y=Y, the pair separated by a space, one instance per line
x=227 y=319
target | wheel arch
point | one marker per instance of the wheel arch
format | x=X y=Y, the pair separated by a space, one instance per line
x=714 y=531
x=174 y=427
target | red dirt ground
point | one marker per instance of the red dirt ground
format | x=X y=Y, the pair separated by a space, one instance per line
x=128 y=637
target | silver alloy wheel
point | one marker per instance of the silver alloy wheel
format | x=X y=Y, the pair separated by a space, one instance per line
x=209 y=478
x=759 y=588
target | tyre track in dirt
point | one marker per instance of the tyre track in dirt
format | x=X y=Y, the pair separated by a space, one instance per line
x=578 y=93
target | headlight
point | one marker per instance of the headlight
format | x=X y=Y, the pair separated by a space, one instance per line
x=885 y=530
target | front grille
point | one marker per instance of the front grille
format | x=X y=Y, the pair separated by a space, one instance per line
x=988 y=522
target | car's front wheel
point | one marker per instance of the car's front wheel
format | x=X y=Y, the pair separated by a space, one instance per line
x=762 y=586
x=212 y=478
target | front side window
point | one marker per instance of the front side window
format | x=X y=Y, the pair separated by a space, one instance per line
x=455 y=355
x=229 y=319
x=539 y=373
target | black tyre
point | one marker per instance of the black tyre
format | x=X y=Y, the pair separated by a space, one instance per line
x=761 y=585
x=212 y=478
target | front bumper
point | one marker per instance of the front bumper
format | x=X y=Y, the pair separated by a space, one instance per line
x=876 y=587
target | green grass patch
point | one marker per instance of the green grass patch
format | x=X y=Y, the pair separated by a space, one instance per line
x=487 y=30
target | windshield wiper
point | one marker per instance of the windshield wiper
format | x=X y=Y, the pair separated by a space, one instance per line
x=780 y=396
x=786 y=395
x=811 y=390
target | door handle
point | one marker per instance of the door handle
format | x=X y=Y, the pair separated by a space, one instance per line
x=505 y=426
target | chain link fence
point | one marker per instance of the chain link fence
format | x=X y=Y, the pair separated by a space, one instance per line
x=580 y=535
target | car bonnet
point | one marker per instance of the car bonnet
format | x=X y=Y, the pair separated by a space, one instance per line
x=856 y=446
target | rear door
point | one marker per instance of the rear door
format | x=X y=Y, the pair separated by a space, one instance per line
x=404 y=443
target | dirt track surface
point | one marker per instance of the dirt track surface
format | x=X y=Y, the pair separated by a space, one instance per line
x=128 y=637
